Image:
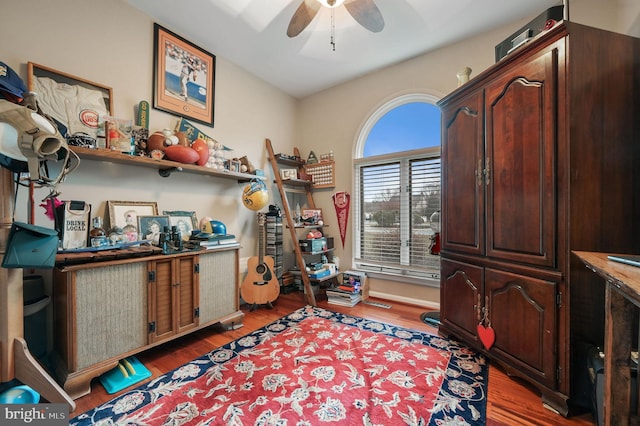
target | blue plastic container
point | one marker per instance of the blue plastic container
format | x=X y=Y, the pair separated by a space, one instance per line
x=22 y=394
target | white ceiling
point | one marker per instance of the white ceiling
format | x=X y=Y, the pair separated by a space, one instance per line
x=252 y=34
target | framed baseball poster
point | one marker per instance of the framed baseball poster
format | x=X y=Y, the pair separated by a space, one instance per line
x=183 y=77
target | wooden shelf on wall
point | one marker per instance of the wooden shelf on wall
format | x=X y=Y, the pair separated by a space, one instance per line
x=164 y=167
x=296 y=183
x=289 y=160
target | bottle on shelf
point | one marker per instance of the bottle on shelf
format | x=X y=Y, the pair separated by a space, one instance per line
x=97 y=234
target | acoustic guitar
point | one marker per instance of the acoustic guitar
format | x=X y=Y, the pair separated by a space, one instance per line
x=260 y=286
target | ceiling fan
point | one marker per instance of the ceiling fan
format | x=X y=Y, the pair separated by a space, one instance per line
x=365 y=12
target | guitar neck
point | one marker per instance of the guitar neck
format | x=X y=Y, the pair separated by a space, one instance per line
x=261 y=238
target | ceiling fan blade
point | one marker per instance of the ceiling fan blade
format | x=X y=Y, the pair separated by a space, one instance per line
x=305 y=13
x=366 y=13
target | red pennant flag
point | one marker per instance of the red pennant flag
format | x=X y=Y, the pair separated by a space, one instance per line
x=341 y=204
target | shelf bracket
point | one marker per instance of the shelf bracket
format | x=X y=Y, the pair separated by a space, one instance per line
x=167 y=172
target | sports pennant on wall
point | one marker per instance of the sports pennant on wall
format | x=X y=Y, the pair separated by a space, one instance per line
x=341 y=203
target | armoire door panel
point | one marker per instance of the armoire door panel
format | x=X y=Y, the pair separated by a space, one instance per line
x=463 y=162
x=521 y=144
x=523 y=314
x=460 y=295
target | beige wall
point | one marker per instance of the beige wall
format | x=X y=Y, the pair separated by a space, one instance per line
x=111 y=43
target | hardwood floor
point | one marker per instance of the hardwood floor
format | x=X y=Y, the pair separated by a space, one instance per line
x=510 y=402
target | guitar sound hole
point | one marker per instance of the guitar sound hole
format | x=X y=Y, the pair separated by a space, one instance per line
x=261 y=269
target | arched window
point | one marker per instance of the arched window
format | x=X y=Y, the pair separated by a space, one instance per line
x=397 y=190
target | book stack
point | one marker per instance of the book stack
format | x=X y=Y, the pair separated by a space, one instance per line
x=344 y=295
x=343 y=298
x=212 y=241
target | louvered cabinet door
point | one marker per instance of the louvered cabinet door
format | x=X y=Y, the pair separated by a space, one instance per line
x=186 y=275
x=172 y=297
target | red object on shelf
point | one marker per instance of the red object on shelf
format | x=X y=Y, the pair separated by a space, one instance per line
x=182 y=154
x=435 y=247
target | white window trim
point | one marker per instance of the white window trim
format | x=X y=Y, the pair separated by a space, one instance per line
x=359 y=160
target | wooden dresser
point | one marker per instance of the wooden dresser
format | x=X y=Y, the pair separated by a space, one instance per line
x=106 y=311
x=540 y=154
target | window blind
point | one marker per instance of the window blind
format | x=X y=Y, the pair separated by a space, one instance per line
x=396 y=199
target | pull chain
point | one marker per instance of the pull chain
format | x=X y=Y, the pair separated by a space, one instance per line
x=333 y=31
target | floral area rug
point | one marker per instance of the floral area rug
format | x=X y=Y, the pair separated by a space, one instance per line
x=314 y=367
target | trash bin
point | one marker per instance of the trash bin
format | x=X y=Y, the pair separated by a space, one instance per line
x=36 y=327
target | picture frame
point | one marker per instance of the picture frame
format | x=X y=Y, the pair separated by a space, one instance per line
x=151 y=226
x=312 y=216
x=56 y=88
x=289 y=174
x=234 y=166
x=124 y=214
x=183 y=77
x=185 y=221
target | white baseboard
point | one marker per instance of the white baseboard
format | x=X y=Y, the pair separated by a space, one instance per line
x=407 y=300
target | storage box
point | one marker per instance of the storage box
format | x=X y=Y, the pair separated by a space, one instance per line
x=314 y=245
x=319 y=274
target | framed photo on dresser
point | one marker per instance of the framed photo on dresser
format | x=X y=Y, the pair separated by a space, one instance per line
x=124 y=214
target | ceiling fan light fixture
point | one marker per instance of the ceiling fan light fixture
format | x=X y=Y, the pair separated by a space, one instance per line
x=365 y=12
x=331 y=3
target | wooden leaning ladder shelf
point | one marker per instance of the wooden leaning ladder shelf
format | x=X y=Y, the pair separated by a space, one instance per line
x=293 y=185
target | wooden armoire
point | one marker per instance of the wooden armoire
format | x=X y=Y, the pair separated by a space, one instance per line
x=540 y=156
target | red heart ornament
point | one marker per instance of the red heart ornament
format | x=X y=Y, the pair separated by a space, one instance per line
x=487 y=336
